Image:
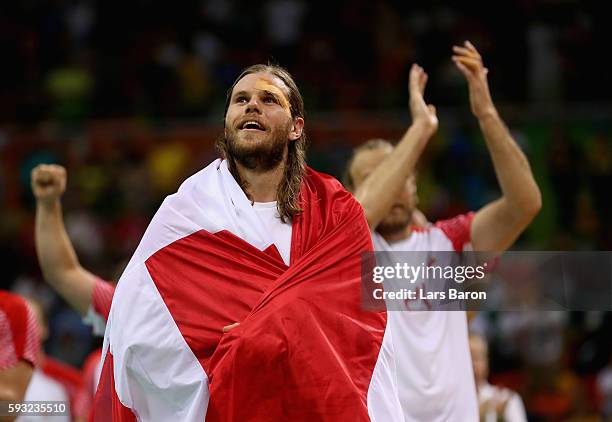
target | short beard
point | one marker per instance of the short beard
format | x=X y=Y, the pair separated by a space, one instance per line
x=393 y=225
x=262 y=158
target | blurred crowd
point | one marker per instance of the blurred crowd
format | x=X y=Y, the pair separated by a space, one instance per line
x=132 y=106
x=71 y=59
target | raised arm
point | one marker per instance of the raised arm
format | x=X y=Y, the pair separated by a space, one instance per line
x=498 y=224
x=58 y=260
x=378 y=191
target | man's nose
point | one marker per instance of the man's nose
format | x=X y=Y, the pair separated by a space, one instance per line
x=253 y=106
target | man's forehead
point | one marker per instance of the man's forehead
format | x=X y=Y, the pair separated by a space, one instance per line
x=265 y=82
x=262 y=81
x=367 y=160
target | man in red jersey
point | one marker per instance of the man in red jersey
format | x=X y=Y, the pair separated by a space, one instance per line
x=19 y=346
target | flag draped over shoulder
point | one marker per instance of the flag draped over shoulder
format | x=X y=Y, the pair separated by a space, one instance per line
x=304 y=349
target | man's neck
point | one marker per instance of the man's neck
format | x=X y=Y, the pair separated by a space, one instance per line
x=262 y=186
x=399 y=235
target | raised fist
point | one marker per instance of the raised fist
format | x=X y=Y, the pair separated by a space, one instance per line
x=48 y=182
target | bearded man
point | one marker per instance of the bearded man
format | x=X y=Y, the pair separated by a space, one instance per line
x=243 y=300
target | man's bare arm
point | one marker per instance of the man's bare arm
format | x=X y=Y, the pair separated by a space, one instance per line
x=498 y=224
x=14 y=383
x=58 y=260
x=379 y=190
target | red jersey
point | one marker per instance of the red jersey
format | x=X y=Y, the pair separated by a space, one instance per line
x=19 y=338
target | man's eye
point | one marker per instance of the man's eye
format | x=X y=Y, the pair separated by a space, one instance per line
x=241 y=99
x=270 y=100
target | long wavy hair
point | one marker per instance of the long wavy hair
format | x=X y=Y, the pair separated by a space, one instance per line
x=288 y=195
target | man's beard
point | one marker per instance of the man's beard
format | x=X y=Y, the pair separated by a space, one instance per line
x=394 y=223
x=257 y=155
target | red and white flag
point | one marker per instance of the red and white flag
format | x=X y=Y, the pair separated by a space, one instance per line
x=304 y=349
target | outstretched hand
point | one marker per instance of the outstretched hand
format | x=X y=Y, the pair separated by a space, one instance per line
x=469 y=62
x=420 y=111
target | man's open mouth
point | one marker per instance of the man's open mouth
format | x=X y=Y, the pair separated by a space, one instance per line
x=252 y=125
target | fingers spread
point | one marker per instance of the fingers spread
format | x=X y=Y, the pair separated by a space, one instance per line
x=467 y=58
x=463 y=51
x=471 y=63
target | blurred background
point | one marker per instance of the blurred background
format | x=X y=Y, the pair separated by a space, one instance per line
x=129 y=96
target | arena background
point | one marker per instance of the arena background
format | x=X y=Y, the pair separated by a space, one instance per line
x=129 y=97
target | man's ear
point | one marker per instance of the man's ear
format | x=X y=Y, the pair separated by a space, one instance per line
x=296 y=129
